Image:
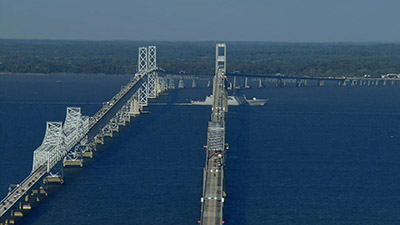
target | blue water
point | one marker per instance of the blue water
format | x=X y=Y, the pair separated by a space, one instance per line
x=327 y=155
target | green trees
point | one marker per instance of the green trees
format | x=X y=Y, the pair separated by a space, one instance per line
x=120 y=57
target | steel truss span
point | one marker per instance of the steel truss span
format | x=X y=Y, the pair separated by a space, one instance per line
x=77 y=137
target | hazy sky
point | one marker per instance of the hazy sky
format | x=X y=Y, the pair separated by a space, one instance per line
x=223 y=20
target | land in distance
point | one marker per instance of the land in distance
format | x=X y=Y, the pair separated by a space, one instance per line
x=197 y=58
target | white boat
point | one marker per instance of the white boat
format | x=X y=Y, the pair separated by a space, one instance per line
x=256 y=101
x=233 y=101
x=207 y=101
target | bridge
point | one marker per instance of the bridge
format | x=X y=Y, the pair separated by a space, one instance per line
x=245 y=81
x=238 y=81
x=213 y=182
x=66 y=144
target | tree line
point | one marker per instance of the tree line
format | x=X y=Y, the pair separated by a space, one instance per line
x=258 y=58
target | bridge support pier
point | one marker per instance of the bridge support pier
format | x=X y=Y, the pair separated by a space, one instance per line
x=53 y=179
x=321 y=83
x=108 y=132
x=260 y=84
x=300 y=82
x=171 y=84
x=8 y=222
x=88 y=153
x=74 y=158
x=181 y=84
x=246 y=85
x=77 y=162
x=134 y=107
x=122 y=122
x=99 y=139
x=114 y=127
x=16 y=213
x=235 y=83
x=24 y=205
x=280 y=83
x=127 y=118
x=230 y=87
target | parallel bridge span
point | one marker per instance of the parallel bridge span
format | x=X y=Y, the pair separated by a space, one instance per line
x=213 y=183
x=79 y=135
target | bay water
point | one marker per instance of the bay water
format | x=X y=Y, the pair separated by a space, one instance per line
x=310 y=155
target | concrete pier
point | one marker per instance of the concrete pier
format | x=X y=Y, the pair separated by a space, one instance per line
x=108 y=133
x=181 y=84
x=246 y=85
x=73 y=163
x=260 y=85
x=52 y=179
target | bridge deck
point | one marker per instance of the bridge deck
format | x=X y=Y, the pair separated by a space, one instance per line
x=213 y=196
x=21 y=190
x=110 y=112
x=213 y=187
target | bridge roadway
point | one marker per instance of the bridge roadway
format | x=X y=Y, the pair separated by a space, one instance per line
x=21 y=189
x=213 y=186
x=97 y=122
x=104 y=115
x=292 y=77
x=285 y=77
x=212 y=210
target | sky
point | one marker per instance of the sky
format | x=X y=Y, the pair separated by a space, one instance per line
x=202 y=20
